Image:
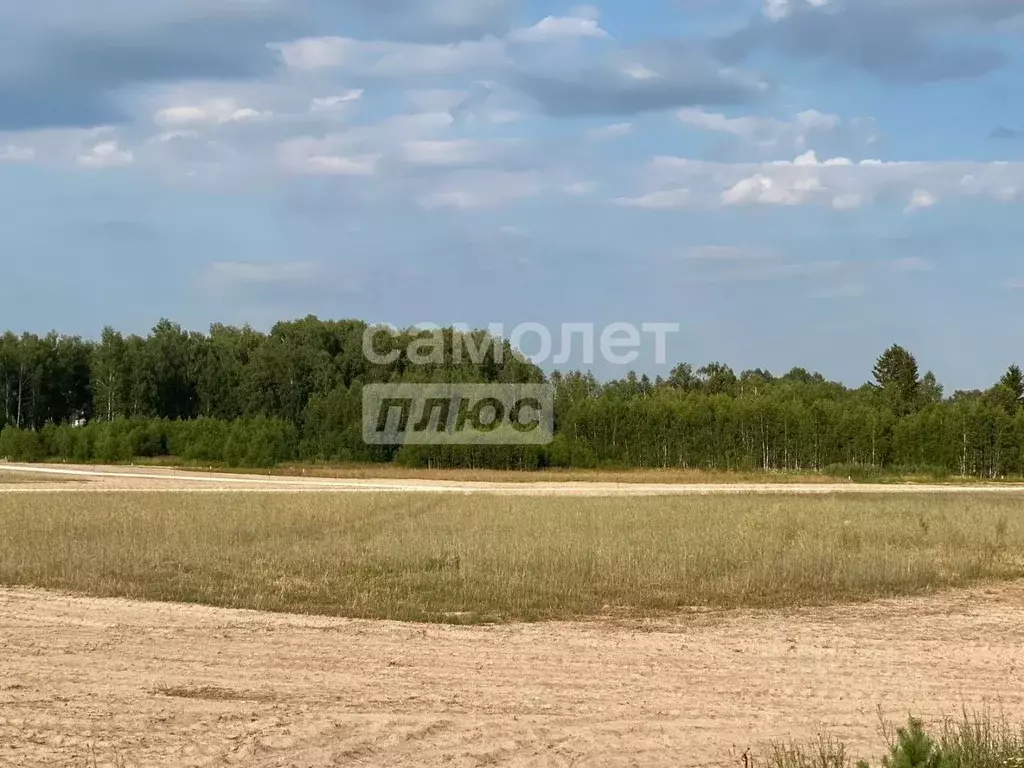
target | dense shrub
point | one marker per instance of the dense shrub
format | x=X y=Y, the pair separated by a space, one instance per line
x=21 y=445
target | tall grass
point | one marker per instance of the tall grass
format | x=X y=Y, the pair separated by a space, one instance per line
x=492 y=558
x=972 y=741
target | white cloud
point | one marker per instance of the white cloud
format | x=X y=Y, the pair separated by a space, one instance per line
x=317 y=52
x=212 y=112
x=812 y=119
x=334 y=103
x=847 y=202
x=553 y=28
x=452 y=152
x=776 y=9
x=760 y=131
x=808 y=158
x=837 y=182
x=338 y=165
x=358 y=150
x=14 y=153
x=390 y=59
x=607 y=132
x=639 y=71
x=920 y=200
x=658 y=201
x=970 y=185
x=766 y=190
x=106 y=154
x=335 y=155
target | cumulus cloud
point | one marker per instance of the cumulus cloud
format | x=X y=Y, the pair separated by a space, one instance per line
x=771 y=191
x=106 y=154
x=213 y=112
x=837 y=182
x=920 y=199
x=554 y=28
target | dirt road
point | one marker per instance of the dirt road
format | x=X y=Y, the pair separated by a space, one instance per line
x=161 y=479
x=126 y=683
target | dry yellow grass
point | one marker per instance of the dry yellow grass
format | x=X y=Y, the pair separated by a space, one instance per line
x=472 y=559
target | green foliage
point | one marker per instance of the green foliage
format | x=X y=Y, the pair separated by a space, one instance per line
x=975 y=741
x=21 y=445
x=1013 y=381
x=913 y=748
x=896 y=376
x=240 y=397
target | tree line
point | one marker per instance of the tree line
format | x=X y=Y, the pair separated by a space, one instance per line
x=240 y=397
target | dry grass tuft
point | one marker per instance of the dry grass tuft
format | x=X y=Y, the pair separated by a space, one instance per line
x=205 y=693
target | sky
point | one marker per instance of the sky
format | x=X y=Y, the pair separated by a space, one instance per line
x=793 y=182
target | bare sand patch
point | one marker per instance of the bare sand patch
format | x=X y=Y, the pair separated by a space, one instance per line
x=143 y=479
x=85 y=679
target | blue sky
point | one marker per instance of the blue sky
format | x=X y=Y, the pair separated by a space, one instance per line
x=794 y=182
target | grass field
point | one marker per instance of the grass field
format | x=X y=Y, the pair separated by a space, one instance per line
x=466 y=560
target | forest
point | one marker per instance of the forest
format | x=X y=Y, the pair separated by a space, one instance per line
x=242 y=398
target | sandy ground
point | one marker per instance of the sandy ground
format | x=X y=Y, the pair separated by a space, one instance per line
x=88 y=682
x=142 y=479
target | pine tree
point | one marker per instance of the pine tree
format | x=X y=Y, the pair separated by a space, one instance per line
x=896 y=375
x=1013 y=380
